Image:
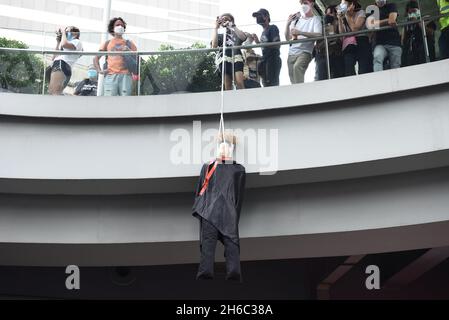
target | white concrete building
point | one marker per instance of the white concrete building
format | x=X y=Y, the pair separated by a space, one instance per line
x=34 y=22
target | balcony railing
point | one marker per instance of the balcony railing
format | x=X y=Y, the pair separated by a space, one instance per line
x=193 y=70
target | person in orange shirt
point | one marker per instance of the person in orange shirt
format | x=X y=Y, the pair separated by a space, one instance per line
x=118 y=70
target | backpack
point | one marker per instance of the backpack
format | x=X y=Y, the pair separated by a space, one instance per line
x=131 y=61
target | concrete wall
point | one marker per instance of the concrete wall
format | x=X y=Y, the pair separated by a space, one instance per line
x=100 y=189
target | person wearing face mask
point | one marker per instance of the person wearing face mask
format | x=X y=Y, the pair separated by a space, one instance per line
x=251 y=61
x=61 y=69
x=217 y=206
x=301 y=25
x=233 y=59
x=336 y=62
x=88 y=86
x=388 y=42
x=271 y=63
x=118 y=76
x=357 y=48
x=412 y=37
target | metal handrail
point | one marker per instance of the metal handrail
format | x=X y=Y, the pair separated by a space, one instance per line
x=208 y=50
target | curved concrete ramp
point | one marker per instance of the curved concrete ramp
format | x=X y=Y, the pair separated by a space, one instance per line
x=359 y=171
x=380 y=214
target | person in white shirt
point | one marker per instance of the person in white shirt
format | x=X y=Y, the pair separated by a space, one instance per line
x=301 y=25
x=61 y=69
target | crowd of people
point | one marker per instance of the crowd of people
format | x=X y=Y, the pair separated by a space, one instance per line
x=349 y=54
x=359 y=53
x=119 y=70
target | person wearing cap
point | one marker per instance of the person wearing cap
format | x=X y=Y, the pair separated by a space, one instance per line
x=302 y=25
x=88 y=86
x=218 y=202
x=271 y=63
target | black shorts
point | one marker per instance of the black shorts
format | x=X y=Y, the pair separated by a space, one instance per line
x=238 y=67
x=64 y=67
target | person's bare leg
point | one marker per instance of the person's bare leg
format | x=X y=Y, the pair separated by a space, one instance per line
x=228 y=82
x=55 y=86
x=239 y=80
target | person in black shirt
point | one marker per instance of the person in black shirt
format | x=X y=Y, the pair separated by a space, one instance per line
x=336 y=61
x=88 y=86
x=388 y=42
x=271 y=63
x=414 y=51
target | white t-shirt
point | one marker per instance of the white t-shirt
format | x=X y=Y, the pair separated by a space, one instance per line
x=71 y=59
x=313 y=25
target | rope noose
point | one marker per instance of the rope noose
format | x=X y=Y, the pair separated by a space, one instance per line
x=222 y=127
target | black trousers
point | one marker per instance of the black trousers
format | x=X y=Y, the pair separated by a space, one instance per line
x=209 y=237
x=336 y=65
x=361 y=53
x=443 y=42
x=270 y=69
x=364 y=55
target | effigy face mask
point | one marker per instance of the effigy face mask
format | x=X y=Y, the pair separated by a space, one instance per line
x=225 y=150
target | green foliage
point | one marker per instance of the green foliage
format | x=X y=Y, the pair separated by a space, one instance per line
x=180 y=72
x=20 y=71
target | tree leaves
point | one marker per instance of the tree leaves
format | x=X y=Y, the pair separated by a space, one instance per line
x=20 y=71
x=179 y=72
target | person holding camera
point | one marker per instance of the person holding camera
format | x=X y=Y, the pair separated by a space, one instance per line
x=251 y=62
x=356 y=48
x=270 y=66
x=118 y=69
x=301 y=25
x=61 y=69
x=232 y=59
x=336 y=62
x=414 y=51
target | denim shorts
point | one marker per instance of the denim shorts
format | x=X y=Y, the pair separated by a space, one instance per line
x=118 y=85
x=64 y=67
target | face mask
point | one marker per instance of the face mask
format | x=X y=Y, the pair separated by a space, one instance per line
x=381 y=3
x=304 y=9
x=225 y=150
x=69 y=36
x=92 y=73
x=416 y=15
x=119 y=30
x=260 y=20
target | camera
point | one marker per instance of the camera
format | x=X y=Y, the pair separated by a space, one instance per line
x=58 y=35
x=227 y=24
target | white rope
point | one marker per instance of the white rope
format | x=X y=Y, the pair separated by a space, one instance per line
x=223 y=59
x=233 y=71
